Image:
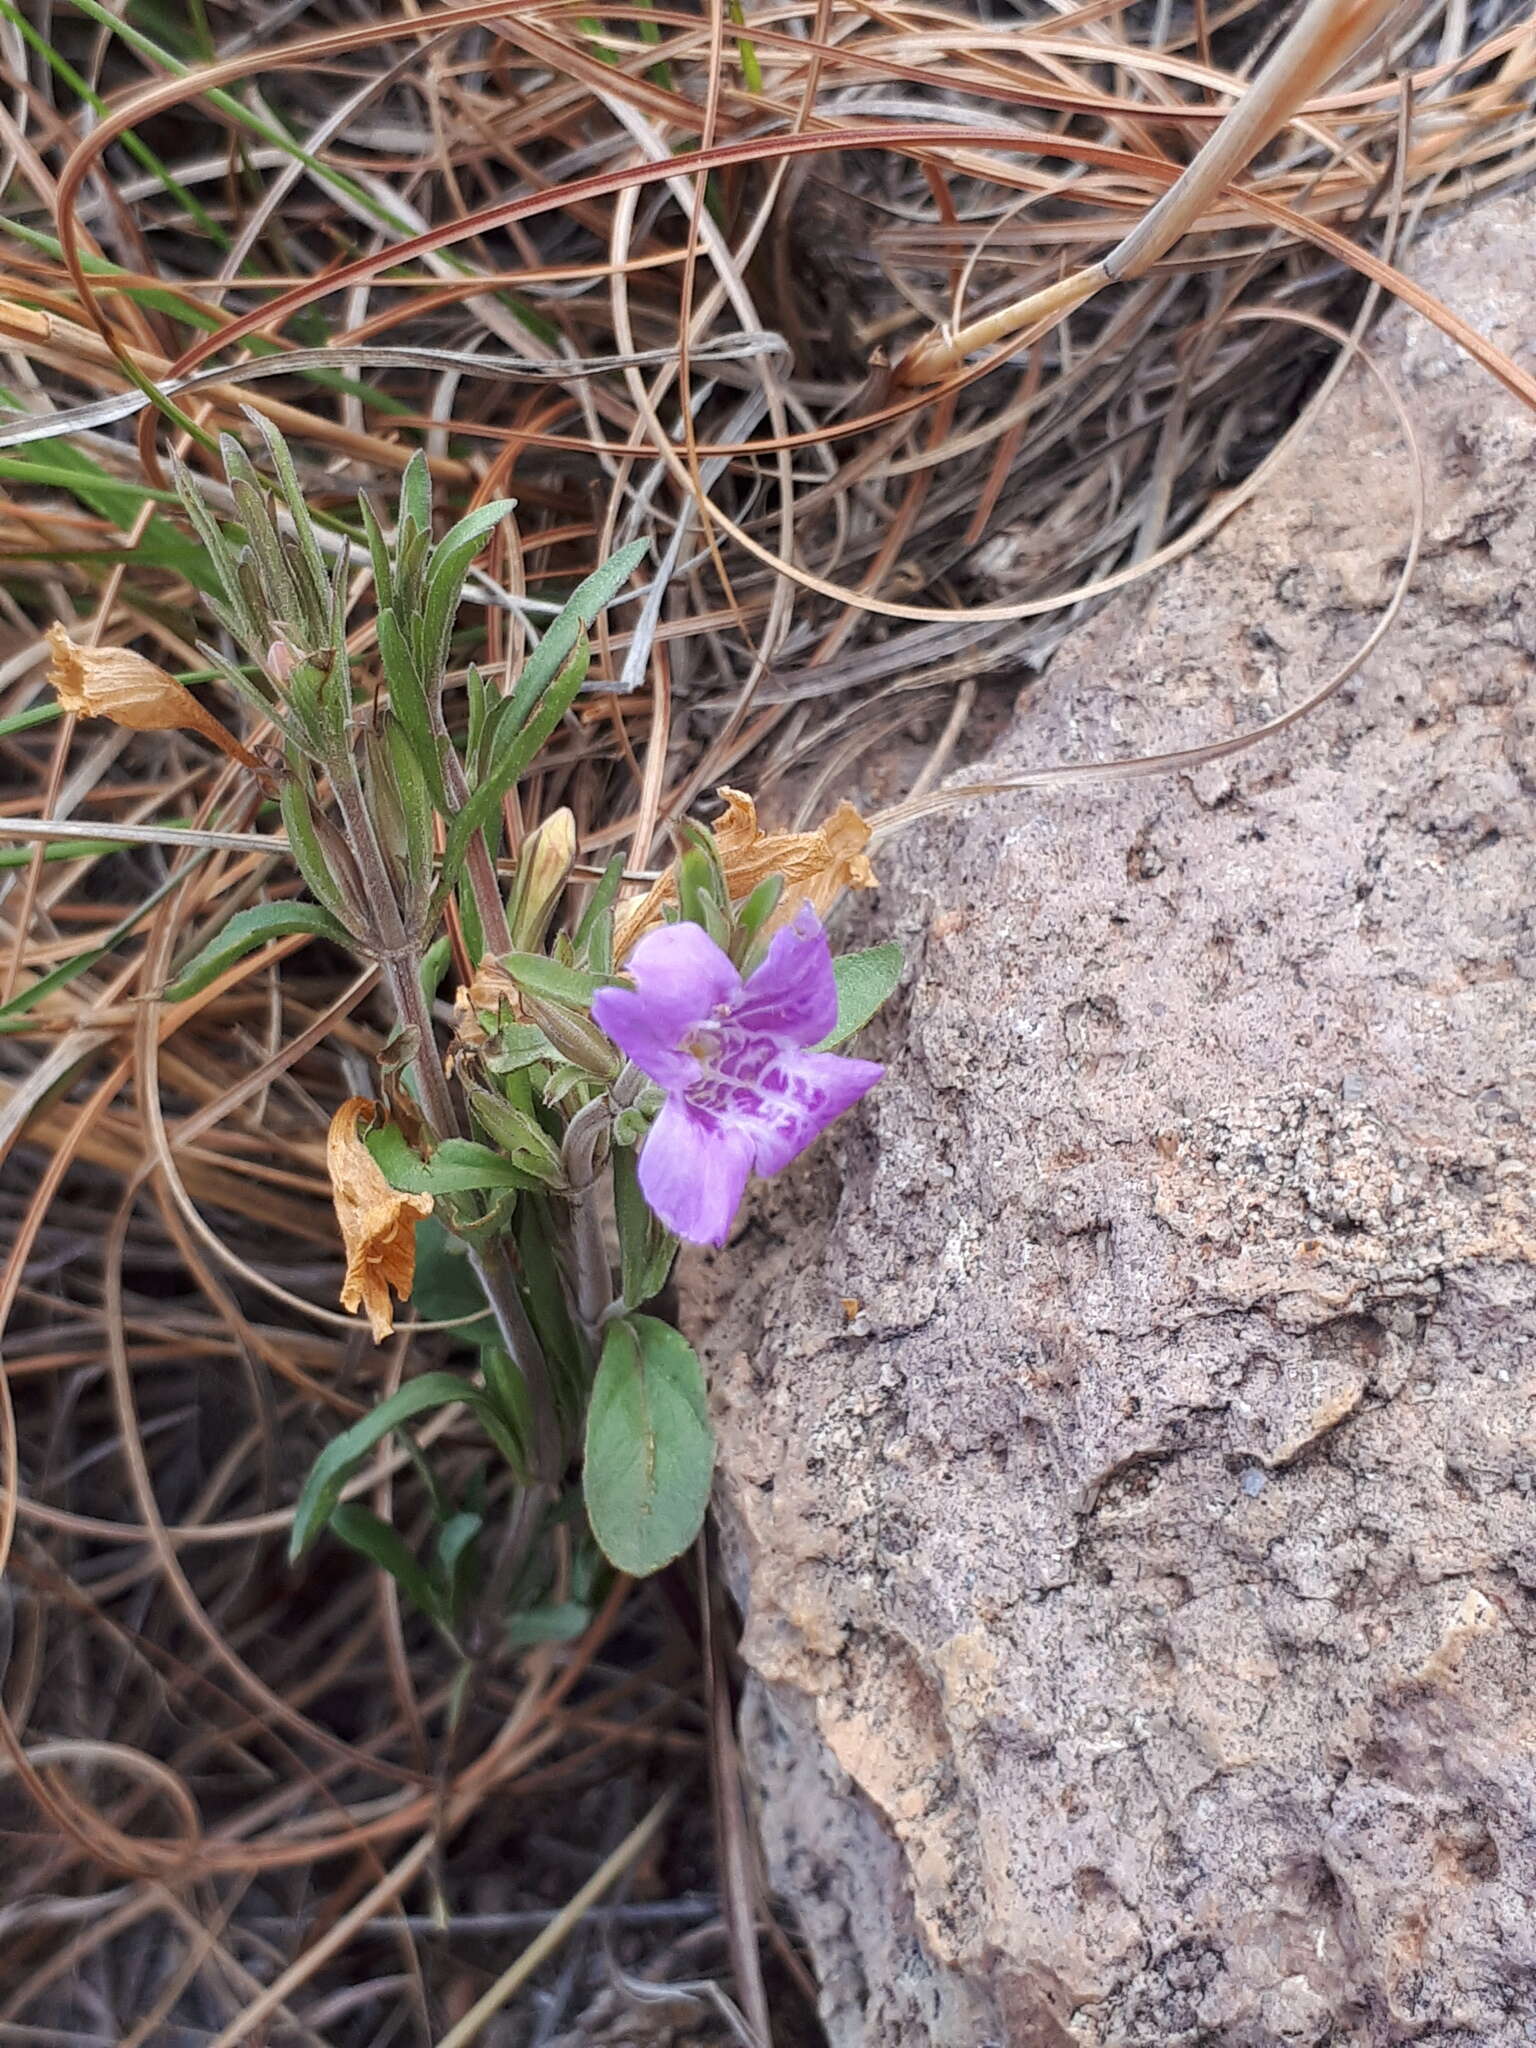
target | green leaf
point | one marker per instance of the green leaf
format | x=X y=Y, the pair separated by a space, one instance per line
x=516 y=1046
x=408 y=701
x=416 y=494
x=646 y=1250
x=508 y=1389
x=253 y=508
x=446 y=1287
x=563 y=1082
x=456 y=1559
x=512 y=759
x=650 y=1452
x=435 y=963
x=864 y=981
x=308 y=566
x=234 y=610
x=375 y=1539
x=561 y=1622
x=457 y=1167
x=701 y=894
x=594 y=935
x=378 y=554
x=305 y=844
x=477 y=701
x=519 y=1135
x=454 y=1537
x=445 y=581
x=548 y=978
x=340 y=1459
x=544 y=1298
x=247 y=930
x=416 y=807
x=589 y=597
x=755 y=913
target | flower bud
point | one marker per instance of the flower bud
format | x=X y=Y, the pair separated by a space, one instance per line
x=281 y=661
x=574 y=1037
x=546 y=863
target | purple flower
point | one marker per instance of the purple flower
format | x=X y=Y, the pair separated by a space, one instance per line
x=743 y=1089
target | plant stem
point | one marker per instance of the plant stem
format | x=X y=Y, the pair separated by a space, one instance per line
x=478 y=865
x=591 y=1276
x=400 y=961
x=492 y=1266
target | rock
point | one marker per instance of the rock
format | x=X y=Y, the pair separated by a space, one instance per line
x=1128 y=1418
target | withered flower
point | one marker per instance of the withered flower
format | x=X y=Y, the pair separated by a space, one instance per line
x=491 y=993
x=817 y=866
x=378 y=1223
x=130 y=690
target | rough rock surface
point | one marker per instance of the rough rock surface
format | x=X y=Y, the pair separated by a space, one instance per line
x=1129 y=1419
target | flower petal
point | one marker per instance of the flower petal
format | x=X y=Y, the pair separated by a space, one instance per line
x=693 y=1172
x=681 y=977
x=800 y=1093
x=793 y=995
x=627 y=1018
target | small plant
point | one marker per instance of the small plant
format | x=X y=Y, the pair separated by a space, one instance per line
x=613 y=1079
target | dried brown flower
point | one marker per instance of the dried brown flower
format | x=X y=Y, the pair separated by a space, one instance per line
x=130 y=690
x=490 y=993
x=378 y=1222
x=817 y=866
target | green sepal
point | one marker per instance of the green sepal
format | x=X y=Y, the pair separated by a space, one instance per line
x=307 y=848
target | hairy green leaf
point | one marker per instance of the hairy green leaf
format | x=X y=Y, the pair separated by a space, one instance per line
x=864 y=981
x=548 y=978
x=511 y=760
x=445 y=581
x=306 y=846
x=589 y=597
x=340 y=1458
x=457 y=1167
x=247 y=930
x=650 y=1452
x=560 y=1622
x=519 y=1135
x=375 y=1539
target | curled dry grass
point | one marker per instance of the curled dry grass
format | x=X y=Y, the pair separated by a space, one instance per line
x=643 y=272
